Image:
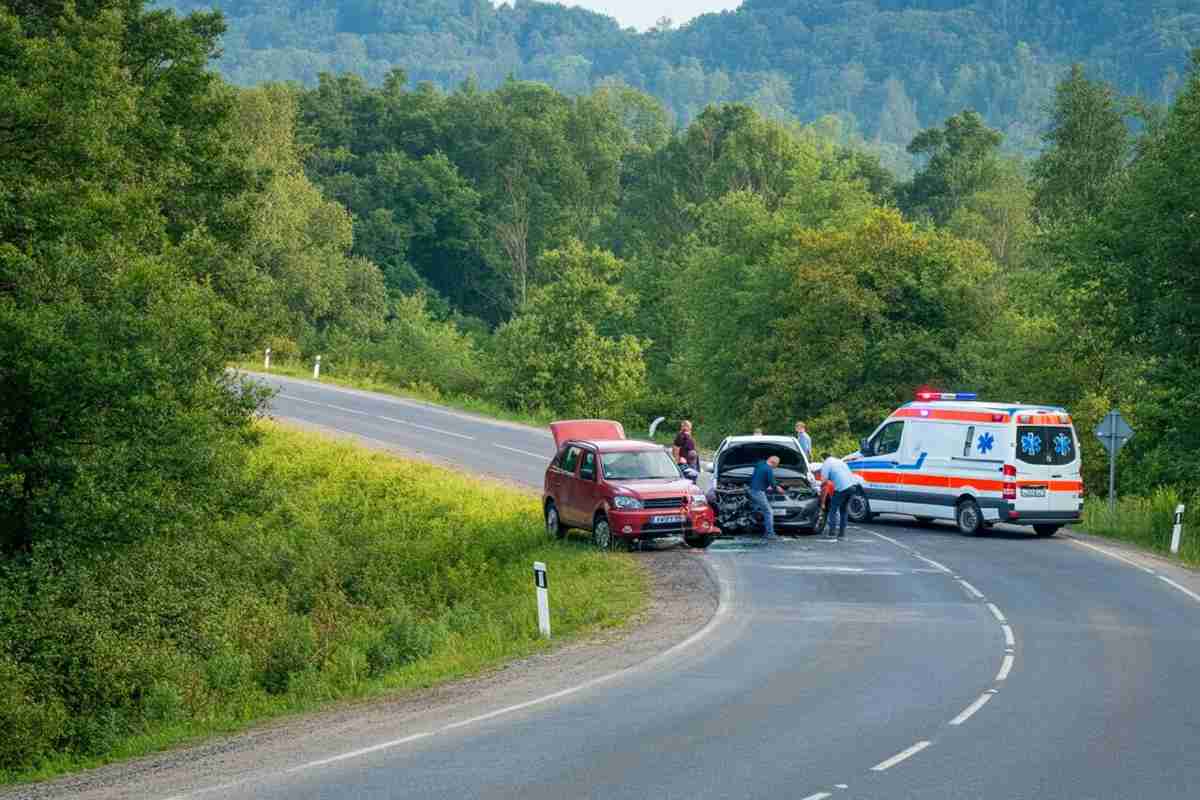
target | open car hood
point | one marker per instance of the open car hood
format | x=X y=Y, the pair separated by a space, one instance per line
x=568 y=429
x=735 y=458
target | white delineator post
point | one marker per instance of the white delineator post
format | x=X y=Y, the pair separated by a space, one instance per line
x=543 y=598
x=1178 y=530
x=267 y=359
x=317 y=368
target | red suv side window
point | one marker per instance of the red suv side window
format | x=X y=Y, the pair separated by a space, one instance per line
x=568 y=462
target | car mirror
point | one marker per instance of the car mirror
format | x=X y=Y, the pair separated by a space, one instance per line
x=864 y=447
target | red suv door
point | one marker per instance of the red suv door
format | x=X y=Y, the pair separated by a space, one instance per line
x=586 y=489
x=563 y=481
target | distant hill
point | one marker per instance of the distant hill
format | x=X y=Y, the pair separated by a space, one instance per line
x=886 y=67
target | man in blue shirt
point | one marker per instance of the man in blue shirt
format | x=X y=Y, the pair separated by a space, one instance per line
x=804 y=439
x=844 y=484
x=762 y=480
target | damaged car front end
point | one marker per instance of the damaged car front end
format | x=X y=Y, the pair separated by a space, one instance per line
x=797 y=510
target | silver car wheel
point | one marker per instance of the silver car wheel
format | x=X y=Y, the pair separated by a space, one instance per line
x=602 y=534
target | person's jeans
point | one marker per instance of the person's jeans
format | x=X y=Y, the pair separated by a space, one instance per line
x=837 y=512
x=759 y=499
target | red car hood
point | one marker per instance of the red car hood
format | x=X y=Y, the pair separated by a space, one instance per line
x=658 y=488
x=568 y=429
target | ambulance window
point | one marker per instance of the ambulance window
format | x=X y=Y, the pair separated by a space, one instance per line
x=967 y=443
x=1032 y=444
x=887 y=441
x=1061 y=445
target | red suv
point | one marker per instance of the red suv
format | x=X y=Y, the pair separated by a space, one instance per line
x=621 y=489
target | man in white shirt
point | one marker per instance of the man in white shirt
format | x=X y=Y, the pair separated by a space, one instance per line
x=844 y=482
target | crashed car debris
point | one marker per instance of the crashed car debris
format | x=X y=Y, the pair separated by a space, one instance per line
x=795 y=511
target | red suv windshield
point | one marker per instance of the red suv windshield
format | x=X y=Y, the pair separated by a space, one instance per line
x=639 y=465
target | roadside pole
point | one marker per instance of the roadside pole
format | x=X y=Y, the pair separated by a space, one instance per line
x=1177 y=532
x=543 y=598
x=317 y=369
x=267 y=360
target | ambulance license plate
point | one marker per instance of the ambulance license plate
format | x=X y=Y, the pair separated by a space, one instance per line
x=1033 y=491
x=673 y=519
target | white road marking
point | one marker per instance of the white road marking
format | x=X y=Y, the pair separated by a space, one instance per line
x=818 y=796
x=970 y=710
x=374 y=416
x=1183 y=589
x=933 y=563
x=922 y=571
x=427 y=428
x=896 y=759
x=836 y=570
x=539 y=456
x=901 y=545
x=996 y=613
x=1005 y=668
x=1008 y=636
x=974 y=592
x=1111 y=554
x=725 y=603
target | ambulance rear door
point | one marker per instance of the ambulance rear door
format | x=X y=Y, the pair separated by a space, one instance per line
x=1033 y=468
x=1066 y=482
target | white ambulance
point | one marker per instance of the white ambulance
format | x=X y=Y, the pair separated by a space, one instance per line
x=948 y=456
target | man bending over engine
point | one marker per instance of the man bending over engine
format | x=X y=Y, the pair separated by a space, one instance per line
x=761 y=481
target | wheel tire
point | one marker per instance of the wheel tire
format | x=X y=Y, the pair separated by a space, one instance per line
x=699 y=542
x=822 y=520
x=1045 y=531
x=602 y=534
x=968 y=517
x=554 y=526
x=858 y=508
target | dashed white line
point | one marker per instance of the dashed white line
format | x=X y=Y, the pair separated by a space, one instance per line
x=999 y=615
x=1008 y=636
x=539 y=456
x=1005 y=667
x=901 y=545
x=345 y=410
x=901 y=756
x=818 y=796
x=1111 y=554
x=970 y=710
x=1183 y=589
x=427 y=428
x=933 y=563
x=974 y=592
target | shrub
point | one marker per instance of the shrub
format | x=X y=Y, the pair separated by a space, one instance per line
x=32 y=725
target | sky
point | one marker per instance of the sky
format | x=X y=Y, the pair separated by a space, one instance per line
x=641 y=14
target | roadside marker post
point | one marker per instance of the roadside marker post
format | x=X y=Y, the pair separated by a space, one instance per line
x=267 y=359
x=543 y=598
x=317 y=369
x=1177 y=532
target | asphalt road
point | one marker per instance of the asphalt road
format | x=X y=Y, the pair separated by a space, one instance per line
x=904 y=663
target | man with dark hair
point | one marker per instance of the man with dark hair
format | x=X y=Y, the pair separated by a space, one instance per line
x=835 y=470
x=684 y=447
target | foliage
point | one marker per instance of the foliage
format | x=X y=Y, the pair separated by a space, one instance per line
x=961 y=159
x=349 y=573
x=1147 y=521
x=563 y=351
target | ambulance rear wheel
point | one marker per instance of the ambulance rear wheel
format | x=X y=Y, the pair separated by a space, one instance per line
x=1045 y=531
x=969 y=518
x=858 y=509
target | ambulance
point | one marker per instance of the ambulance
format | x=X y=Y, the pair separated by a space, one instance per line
x=948 y=456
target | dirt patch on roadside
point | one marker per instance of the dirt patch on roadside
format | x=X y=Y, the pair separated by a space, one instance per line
x=683 y=598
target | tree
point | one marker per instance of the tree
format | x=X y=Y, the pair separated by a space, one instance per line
x=564 y=350
x=1087 y=149
x=961 y=158
x=999 y=217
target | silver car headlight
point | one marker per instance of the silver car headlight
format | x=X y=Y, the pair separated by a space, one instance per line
x=625 y=501
x=699 y=501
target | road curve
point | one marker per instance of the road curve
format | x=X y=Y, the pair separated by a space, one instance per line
x=904 y=663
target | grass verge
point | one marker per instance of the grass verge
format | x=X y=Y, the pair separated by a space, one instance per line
x=1147 y=521
x=349 y=573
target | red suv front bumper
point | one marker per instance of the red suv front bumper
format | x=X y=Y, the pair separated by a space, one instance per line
x=659 y=523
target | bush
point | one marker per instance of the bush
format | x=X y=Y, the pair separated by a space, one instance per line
x=32 y=725
x=1147 y=520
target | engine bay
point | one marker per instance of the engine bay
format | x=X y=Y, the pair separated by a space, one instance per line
x=736 y=513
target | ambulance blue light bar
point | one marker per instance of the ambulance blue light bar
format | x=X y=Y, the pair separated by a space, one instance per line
x=926 y=396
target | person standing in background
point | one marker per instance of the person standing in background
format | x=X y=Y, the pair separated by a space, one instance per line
x=805 y=440
x=683 y=450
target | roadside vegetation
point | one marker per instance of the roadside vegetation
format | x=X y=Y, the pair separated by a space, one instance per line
x=343 y=573
x=1147 y=521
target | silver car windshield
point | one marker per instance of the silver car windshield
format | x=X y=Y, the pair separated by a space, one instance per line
x=639 y=465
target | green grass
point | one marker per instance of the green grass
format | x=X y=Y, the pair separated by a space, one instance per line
x=348 y=574
x=1147 y=522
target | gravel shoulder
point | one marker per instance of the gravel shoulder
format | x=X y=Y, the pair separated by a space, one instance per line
x=684 y=596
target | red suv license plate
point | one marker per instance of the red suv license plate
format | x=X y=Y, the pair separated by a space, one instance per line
x=671 y=519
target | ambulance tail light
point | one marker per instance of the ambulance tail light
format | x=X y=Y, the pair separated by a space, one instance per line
x=1010 y=482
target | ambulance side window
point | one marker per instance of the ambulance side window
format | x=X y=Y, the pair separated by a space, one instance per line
x=887 y=441
x=969 y=441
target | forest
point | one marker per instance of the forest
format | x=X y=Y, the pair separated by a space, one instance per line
x=552 y=253
x=884 y=69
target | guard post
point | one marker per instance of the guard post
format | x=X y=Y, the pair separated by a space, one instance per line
x=317 y=369
x=267 y=360
x=1177 y=531
x=543 y=598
